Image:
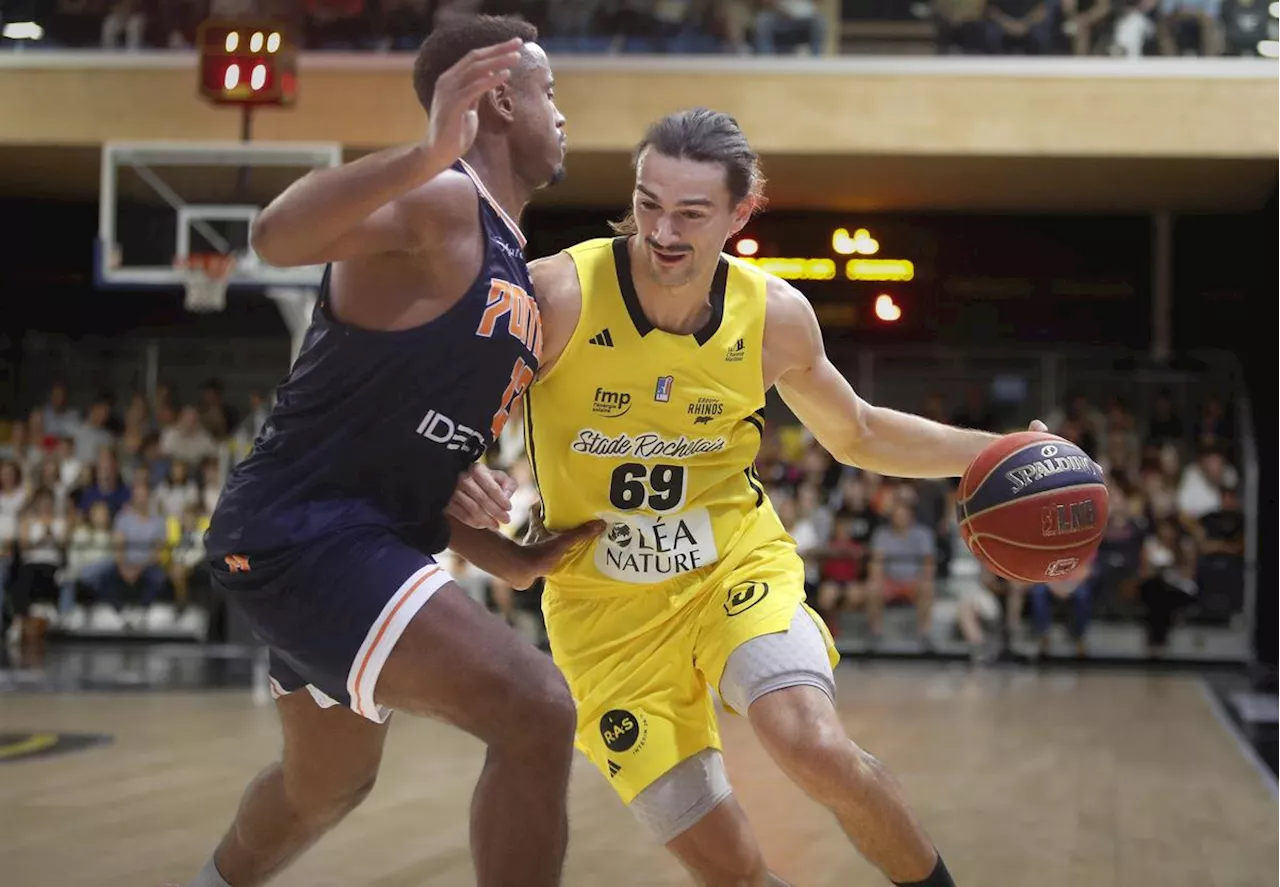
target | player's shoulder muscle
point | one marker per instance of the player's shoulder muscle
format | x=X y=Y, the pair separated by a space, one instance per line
x=447 y=202
x=792 y=336
x=559 y=295
x=444 y=208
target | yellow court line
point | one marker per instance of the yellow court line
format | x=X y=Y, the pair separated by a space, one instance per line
x=36 y=742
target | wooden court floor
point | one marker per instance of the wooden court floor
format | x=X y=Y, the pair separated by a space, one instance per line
x=1023 y=778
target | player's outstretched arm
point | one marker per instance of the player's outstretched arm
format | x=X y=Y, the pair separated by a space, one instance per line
x=360 y=208
x=480 y=505
x=855 y=432
x=519 y=565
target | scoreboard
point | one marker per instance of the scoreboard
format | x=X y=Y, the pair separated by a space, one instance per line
x=247 y=62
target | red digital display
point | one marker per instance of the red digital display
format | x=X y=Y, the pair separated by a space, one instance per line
x=247 y=63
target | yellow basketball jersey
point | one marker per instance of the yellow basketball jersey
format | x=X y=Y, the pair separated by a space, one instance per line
x=652 y=432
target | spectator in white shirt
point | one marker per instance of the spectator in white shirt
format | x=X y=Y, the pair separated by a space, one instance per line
x=187 y=440
x=177 y=492
x=804 y=531
x=13 y=498
x=72 y=470
x=1200 y=490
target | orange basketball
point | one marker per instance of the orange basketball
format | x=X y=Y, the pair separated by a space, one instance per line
x=1032 y=507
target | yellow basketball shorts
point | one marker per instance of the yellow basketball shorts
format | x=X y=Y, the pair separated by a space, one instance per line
x=641 y=664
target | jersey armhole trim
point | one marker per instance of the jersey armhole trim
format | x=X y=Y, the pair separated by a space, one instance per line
x=759 y=284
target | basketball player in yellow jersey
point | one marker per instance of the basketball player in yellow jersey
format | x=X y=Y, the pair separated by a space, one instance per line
x=657 y=355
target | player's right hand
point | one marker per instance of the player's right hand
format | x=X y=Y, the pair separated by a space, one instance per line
x=482 y=498
x=454 y=118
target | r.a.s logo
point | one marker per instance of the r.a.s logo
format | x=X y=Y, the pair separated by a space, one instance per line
x=623 y=732
x=744 y=596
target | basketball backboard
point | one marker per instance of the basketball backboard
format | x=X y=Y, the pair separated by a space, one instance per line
x=160 y=202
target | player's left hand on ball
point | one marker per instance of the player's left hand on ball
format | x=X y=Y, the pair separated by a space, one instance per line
x=482 y=499
x=1037 y=425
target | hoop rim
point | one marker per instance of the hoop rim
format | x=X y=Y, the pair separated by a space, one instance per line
x=213 y=265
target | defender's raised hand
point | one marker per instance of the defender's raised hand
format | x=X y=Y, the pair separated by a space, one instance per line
x=454 y=118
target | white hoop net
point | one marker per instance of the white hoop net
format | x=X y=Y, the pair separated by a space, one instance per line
x=204 y=276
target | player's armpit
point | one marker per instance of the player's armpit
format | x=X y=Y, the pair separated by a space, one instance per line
x=378 y=204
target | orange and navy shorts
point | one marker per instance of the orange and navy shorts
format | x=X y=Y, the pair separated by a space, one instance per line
x=332 y=611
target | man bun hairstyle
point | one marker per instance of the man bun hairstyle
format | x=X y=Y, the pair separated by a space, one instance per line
x=456 y=36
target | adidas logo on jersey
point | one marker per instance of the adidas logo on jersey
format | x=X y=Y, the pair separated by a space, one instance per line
x=736 y=353
x=614 y=769
x=602 y=338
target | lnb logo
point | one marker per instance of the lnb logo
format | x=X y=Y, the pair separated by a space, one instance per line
x=611 y=404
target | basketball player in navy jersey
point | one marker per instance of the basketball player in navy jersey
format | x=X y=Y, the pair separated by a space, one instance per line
x=423 y=339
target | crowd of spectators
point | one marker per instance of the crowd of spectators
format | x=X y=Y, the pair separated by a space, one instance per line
x=761 y=27
x=1173 y=547
x=106 y=504
x=1124 y=28
x=103 y=508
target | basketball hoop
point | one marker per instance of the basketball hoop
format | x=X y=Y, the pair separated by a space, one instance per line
x=204 y=276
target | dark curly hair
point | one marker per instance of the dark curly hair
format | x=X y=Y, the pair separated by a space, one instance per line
x=456 y=37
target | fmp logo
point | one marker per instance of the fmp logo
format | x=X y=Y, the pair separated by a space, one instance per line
x=662 y=392
x=611 y=404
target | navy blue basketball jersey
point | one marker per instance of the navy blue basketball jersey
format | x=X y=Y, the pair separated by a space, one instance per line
x=372 y=429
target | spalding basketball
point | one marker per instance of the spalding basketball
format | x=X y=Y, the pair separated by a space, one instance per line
x=1033 y=507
